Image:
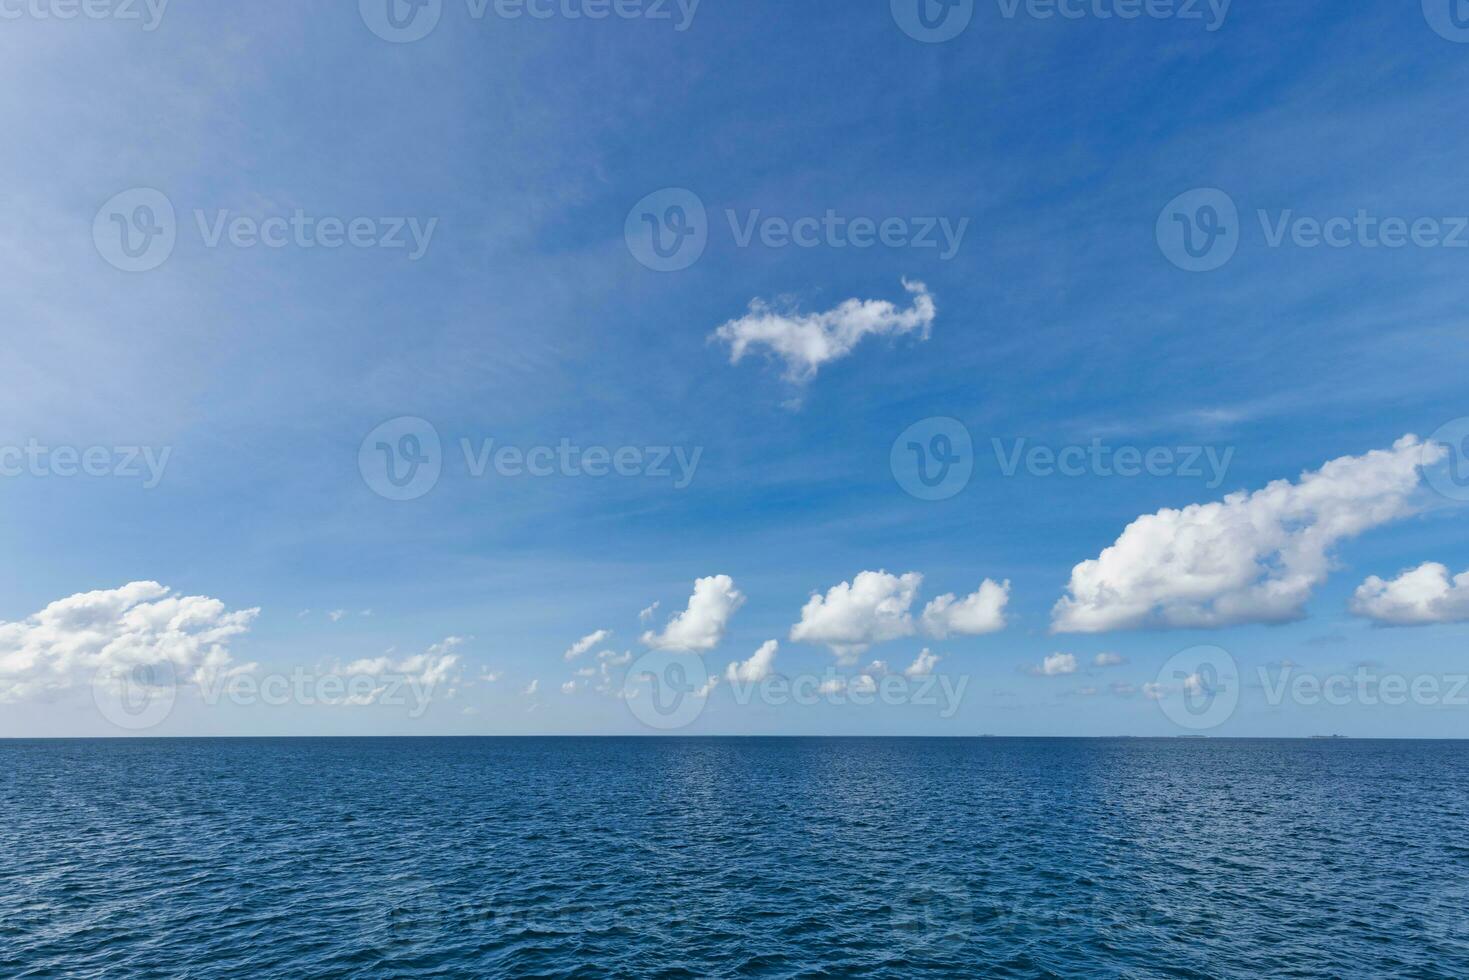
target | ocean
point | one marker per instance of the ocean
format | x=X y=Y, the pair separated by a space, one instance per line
x=749 y=857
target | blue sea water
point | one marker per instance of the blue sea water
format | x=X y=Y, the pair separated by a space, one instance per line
x=734 y=857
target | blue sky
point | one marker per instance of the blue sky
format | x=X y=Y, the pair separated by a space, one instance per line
x=528 y=319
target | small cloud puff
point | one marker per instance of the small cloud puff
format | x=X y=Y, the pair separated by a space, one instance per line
x=806 y=342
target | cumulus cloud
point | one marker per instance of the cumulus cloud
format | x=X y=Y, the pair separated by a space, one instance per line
x=1250 y=558
x=875 y=607
x=532 y=688
x=852 y=616
x=646 y=615
x=924 y=665
x=1109 y=660
x=757 y=668
x=1418 y=597
x=974 y=615
x=1056 y=665
x=805 y=342
x=701 y=625
x=139 y=626
x=585 y=643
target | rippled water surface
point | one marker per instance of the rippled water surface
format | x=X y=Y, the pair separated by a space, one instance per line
x=737 y=857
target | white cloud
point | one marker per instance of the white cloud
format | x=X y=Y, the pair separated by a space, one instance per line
x=758 y=667
x=532 y=688
x=878 y=667
x=852 y=616
x=832 y=685
x=805 y=342
x=974 y=615
x=863 y=684
x=924 y=665
x=1250 y=558
x=1056 y=665
x=425 y=671
x=371 y=666
x=1417 y=597
x=610 y=658
x=141 y=625
x=646 y=615
x=585 y=643
x=701 y=626
x=489 y=676
x=708 y=687
x=569 y=687
x=1154 y=691
x=1109 y=660
x=336 y=615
